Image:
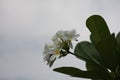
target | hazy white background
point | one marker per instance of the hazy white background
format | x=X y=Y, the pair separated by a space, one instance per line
x=26 y=25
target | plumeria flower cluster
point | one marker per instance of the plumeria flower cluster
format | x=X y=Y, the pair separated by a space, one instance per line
x=62 y=42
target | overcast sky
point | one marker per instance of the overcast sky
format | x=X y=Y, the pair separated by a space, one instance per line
x=26 y=25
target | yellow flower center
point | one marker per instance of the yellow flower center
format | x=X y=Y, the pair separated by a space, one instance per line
x=57 y=52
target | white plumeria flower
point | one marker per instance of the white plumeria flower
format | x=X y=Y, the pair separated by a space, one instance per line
x=60 y=47
x=51 y=53
x=67 y=36
x=57 y=41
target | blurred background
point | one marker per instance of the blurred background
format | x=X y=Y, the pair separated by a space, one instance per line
x=27 y=25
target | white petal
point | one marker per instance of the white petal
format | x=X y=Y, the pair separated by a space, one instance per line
x=54 y=38
x=70 y=44
x=73 y=32
x=52 y=58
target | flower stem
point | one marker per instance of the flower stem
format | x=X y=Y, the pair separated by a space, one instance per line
x=71 y=53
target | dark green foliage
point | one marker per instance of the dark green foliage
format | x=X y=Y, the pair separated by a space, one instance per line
x=98 y=28
x=86 y=51
x=75 y=72
x=102 y=54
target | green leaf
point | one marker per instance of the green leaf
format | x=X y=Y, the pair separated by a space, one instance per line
x=98 y=28
x=118 y=42
x=107 y=49
x=75 y=72
x=93 y=67
x=80 y=52
x=118 y=45
x=104 y=42
x=87 y=52
x=118 y=38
